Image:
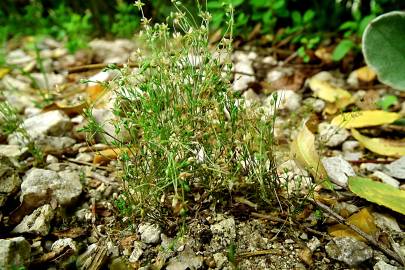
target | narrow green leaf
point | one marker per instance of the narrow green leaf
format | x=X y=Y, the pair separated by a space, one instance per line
x=342 y=49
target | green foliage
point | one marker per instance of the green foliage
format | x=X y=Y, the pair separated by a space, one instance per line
x=11 y=123
x=387 y=101
x=182 y=127
x=126 y=20
x=383 y=48
x=342 y=49
x=70 y=26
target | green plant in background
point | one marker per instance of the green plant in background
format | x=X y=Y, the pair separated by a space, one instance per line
x=353 y=30
x=387 y=101
x=384 y=50
x=126 y=20
x=74 y=28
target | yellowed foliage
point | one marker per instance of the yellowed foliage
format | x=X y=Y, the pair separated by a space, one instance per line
x=362 y=219
x=381 y=146
x=303 y=150
x=361 y=119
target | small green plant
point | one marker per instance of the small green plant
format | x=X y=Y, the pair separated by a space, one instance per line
x=353 y=30
x=11 y=123
x=182 y=128
x=71 y=26
x=126 y=20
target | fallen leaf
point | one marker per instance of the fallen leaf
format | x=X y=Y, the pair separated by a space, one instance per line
x=3 y=72
x=324 y=54
x=366 y=74
x=364 y=119
x=362 y=220
x=70 y=110
x=95 y=92
x=302 y=149
x=107 y=155
x=381 y=146
x=305 y=255
x=337 y=96
x=379 y=193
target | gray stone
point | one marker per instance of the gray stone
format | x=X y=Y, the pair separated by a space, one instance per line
x=136 y=252
x=64 y=242
x=370 y=167
x=313 y=244
x=187 y=259
x=85 y=157
x=386 y=179
x=348 y=250
x=10 y=182
x=65 y=185
x=381 y=265
x=48 y=80
x=14 y=252
x=251 y=98
x=12 y=84
x=54 y=145
x=386 y=222
x=224 y=233
x=316 y=104
x=338 y=170
x=220 y=260
x=332 y=135
x=150 y=233
x=241 y=81
x=396 y=169
x=12 y=151
x=37 y=223
x=286 y=100
x=18 y=57
x=116 y=51
x=54 y=123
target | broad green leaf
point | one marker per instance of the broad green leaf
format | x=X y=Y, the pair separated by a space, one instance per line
x=381 y=146
x=342 y=49
x=384 y=50
x=361 y=119
x=379 y=193
x=308 y=16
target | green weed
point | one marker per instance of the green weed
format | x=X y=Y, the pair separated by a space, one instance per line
x=186 y=130
x=11 y=123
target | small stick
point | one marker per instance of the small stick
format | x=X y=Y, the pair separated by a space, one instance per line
x=366 y=236
x=85 y=163
x=258 y=253
x=85 y=68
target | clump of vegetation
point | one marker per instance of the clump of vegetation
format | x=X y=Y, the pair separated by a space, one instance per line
x=11 y=123
x=182 y=129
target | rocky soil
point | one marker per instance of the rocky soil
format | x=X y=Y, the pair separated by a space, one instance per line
x=64 y=214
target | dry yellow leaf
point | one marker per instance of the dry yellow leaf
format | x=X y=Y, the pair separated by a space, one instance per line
x=107 y=155
x=324 y=54
x=381 y=146
x=328 y=92
x=366 y=74
x=3 y=72
x=362 y=220
x=302 y=149
x=361 y=119
x=336 y=97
